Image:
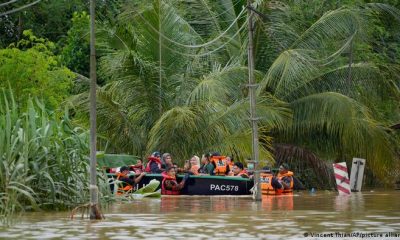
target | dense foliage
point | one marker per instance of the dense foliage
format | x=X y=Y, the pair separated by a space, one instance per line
x=44 y=160
x=30 y=69
x=173 y=76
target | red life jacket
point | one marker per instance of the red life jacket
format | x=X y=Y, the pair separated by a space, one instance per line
x=166 y=191
x=137 y=169
x=152 y=159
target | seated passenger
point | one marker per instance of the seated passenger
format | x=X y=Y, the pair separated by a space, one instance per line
x=138 y=167
x=285 y=178
x=229 y=161
x=194 y=165
x=129 y=183
x=154 y=163
x=206 y=168
x=238 y=170
x=166 y=161
x=169 y=185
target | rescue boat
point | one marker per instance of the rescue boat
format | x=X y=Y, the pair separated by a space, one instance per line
x=195 y=185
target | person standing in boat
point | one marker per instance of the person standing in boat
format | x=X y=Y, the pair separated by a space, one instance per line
x=207 y=168
x=169 y=185
x=238 y=170
x=154 y=163
x=285 y=178
x=128 y=183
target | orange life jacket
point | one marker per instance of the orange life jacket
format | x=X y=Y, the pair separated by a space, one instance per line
x=220 y=165
x=152 y=159
x=165 y=191
x=126 y=188
x=266 y=184
x=289 y=174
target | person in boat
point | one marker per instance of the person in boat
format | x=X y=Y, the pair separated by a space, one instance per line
x=128 y=183
x=285 y=178
x=221 y=167
x=194 y=165
x=138 y=168
x=166 y=160
x=191 y=166
x=230 y=162
x=238 y=170
x=169 y=185
x=154 y=163
x=206 y=168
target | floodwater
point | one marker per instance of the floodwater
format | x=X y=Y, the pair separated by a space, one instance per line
x=300 y=216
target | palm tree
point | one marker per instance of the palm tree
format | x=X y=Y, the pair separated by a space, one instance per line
x=170 y=96
x=180 y=87
x=330 y=94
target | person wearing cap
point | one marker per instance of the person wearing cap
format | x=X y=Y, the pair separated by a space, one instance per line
x=238 y=170
x=154 y=163
x=285 y=178
x=128 y=183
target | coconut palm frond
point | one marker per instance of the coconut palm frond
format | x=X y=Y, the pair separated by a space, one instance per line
x=347 y=122
x=337 y=25
x=224 y=85
x=301 y=159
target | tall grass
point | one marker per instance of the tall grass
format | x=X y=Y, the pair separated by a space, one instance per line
x=43 y=159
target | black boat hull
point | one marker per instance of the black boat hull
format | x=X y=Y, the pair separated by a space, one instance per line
x=208 y=185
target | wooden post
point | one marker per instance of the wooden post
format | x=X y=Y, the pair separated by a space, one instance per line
x=93 y=181
x=252 y=93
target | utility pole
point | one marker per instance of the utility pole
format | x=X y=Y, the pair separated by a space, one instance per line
x=252 y=92
x=159 y=58
x=94 y=212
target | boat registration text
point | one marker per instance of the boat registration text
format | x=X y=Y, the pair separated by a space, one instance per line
x=214 y=187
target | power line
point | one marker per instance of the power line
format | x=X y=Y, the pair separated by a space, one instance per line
x=193 y=46
x=20 y=8
x=6 y=3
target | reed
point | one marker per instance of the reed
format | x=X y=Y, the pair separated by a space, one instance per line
x=43 y=160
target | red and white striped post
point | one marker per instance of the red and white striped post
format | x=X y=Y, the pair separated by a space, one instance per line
x=342 y=178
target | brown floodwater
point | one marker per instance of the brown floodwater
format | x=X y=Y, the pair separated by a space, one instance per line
x=224 y=217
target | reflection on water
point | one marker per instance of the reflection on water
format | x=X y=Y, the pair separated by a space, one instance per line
x=222 y=217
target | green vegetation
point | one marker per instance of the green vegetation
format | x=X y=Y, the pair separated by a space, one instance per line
x=173 y=76
x=30 y=69
x=44 y=160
